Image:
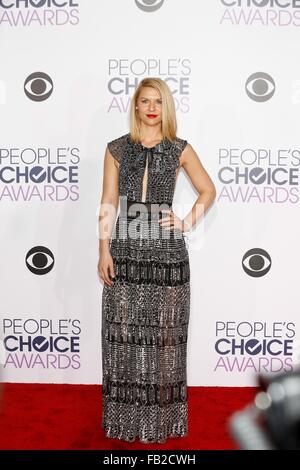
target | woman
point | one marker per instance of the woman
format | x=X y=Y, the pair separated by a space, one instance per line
x=146 y=274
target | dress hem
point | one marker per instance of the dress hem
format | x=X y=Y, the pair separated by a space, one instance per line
x=142 y=441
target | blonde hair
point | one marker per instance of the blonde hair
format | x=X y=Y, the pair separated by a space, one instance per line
x=169 y=123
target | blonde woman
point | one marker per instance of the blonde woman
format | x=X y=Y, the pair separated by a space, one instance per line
x=146 y=273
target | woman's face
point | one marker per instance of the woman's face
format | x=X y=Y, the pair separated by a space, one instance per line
x=149 y=104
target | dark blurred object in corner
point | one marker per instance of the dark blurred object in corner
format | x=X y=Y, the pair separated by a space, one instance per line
x=273 y=420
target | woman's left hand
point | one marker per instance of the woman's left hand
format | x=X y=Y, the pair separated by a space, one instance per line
x=171 y=220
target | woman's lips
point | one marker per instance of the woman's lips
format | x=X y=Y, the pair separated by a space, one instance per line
x=151 y=116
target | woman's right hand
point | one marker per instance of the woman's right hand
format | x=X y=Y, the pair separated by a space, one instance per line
x=106 y=268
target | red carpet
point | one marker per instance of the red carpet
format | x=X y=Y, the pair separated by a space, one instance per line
x=52 y=416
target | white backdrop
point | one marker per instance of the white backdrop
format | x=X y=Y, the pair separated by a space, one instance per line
x=67 y=73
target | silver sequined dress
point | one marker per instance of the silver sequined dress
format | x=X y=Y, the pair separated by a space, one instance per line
x=145 y=313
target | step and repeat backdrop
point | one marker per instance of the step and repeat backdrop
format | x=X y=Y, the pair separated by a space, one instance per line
x=68 y=70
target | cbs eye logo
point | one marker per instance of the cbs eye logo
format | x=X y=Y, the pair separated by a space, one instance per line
x=260 y=87
x=38 y=86
x=256 y=262
x=149 y=5
x=39 y=260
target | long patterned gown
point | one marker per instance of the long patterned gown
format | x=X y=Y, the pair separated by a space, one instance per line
x=145 y=313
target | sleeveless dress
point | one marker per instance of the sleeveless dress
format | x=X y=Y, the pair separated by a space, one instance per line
x=145 y=313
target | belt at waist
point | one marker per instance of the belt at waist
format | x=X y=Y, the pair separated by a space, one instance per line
x=143 y=209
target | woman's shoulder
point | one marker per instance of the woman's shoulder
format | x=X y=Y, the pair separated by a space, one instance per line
x=116 y=146
x=180 y=144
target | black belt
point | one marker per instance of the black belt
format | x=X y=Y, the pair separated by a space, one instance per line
x=141 y=209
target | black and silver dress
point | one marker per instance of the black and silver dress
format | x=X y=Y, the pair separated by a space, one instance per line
x=145 y=313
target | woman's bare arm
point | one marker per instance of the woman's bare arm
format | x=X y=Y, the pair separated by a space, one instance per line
x=109 y=199
x=107 y=214
x=201 y=181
